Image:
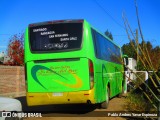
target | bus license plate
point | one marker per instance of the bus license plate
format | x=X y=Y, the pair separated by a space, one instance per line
x=57 y=94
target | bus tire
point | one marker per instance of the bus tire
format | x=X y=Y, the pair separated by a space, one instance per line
x=104 y=105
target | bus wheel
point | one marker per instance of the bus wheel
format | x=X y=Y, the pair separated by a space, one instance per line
x=105 y=104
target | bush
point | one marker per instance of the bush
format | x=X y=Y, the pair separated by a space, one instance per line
x=138 y=103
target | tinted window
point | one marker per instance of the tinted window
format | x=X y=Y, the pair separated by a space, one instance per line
x=105 y=49
x=55 y=37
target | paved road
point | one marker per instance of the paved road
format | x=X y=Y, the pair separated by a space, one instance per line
x=78 y=111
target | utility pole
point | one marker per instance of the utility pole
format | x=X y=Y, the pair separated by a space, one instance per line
x=137 y=44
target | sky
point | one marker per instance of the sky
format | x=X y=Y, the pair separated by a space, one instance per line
x=15 y=15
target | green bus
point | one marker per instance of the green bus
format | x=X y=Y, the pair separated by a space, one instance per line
x=68 y=61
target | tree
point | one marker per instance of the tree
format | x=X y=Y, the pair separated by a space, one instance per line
x=155 y=55
x=127 y=49
x=153 y=52
x=109 y=34
x=16 y=50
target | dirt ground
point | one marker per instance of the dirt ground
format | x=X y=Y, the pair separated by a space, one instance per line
x=116 y=104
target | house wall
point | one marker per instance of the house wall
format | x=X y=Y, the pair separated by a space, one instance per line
x=12 y=81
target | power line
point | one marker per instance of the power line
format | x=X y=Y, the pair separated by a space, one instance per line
x=109 y=14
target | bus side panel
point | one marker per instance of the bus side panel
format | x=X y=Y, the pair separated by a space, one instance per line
x=115 y=78
x=99 y=89
x=120 y=77
x=100 y=83
x=107 y=75
x=108 y=67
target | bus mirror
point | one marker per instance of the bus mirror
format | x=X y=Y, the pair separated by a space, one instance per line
x=126 y=60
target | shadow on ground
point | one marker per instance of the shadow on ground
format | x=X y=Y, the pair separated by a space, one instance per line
x=59 y=110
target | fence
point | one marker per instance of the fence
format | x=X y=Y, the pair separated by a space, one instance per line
x=138 y=77
x=12 y=81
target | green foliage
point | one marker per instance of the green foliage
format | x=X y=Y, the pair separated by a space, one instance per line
x=109 y=34
x=137 y=102
x=147 y=48
x=140 y=66
x=127 y=49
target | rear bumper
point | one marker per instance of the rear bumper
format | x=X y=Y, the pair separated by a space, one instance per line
x=64 y=98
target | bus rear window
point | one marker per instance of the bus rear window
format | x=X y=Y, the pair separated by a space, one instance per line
x=55 y=37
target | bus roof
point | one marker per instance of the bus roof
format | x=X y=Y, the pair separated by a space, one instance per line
x=56 y=22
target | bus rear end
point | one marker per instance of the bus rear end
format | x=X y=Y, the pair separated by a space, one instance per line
x=59 y=69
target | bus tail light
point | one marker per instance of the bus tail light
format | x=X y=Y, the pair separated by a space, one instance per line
x=91 y=74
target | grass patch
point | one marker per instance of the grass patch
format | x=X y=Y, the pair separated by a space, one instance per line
x=138 y=103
